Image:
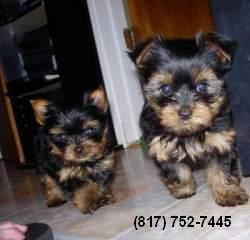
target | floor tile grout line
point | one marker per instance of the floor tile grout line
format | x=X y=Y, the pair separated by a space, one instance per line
x=22 y=210
x=201 y=187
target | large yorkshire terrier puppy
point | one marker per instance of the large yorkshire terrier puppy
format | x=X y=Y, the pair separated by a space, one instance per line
x=186 y=120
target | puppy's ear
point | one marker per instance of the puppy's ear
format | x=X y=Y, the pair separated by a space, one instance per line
x=40 y=108
x=149 y=50
x=223 y=47
x=97 y=98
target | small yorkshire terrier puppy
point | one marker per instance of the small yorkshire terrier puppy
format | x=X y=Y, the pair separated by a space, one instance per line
x=74 y=154
x=186 y=120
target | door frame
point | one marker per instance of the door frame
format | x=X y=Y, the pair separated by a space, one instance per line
x=122 y=86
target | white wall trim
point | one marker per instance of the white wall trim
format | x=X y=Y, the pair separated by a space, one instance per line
x=121 y=83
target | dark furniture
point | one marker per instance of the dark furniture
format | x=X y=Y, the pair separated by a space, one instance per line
x=69 y=34
x=232 y=18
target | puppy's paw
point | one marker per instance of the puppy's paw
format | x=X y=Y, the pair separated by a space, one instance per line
x=55 y=197
x=89 y=197
x=90 y=206
x=55 y=202
x=53 y=192
x=231 y=195
x=109 y=198
x=182 y=190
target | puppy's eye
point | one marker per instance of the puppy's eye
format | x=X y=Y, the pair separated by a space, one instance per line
x=165 y=89
x=201 y=88
x=89 y=132
x=59 y=138
x=62 y=137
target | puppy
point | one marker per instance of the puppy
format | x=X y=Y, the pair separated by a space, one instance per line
x=186 y=119
x=74 y=153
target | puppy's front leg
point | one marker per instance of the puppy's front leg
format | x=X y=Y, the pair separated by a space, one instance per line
x=224 y=178
x=178 y=179
x=88 y=197
x=176 y=175
x=53 y=191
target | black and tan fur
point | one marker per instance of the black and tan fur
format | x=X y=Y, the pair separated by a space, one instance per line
x=186 y=119
x=74 y=152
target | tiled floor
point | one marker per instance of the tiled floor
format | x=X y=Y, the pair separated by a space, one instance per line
x=139 y=192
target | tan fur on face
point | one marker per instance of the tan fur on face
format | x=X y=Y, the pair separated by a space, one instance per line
x=221 y=141
x=91 y=149
x=162 y=78
x=53 y=191
x=201 y=118
x=55 y=150
x=204 y=75
x=56 y=130
x=153 y=88
x=108 y=163
x=216 y=105
x=201 y=115
x=94 y=149
x=226 y=193
x=91 y=123
x=68 y=154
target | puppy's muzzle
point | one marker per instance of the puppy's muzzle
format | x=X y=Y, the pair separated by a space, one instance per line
x=185 y=112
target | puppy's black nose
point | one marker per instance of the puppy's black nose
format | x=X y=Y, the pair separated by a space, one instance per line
x=185 y=112
x=79 y=150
